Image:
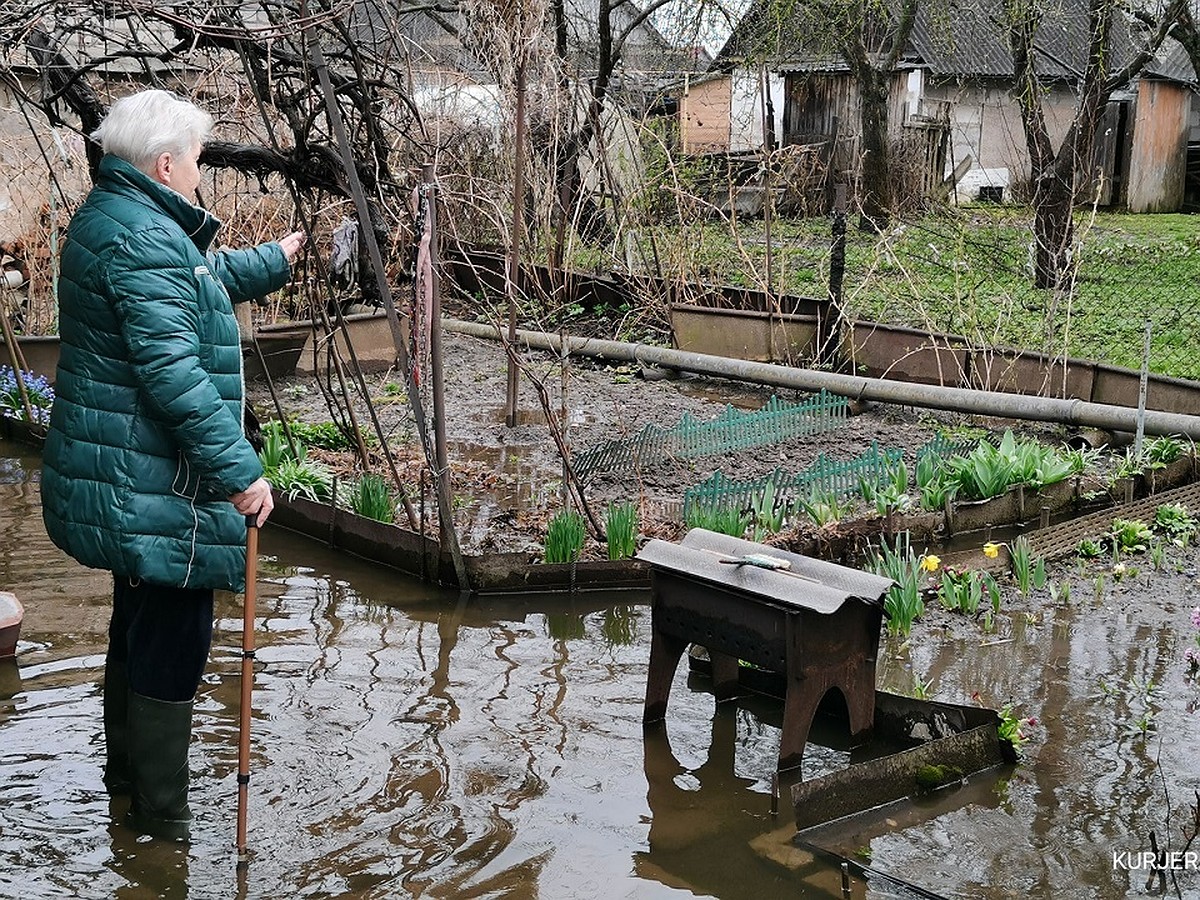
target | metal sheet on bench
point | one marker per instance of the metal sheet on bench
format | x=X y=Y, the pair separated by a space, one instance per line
x=855 y=582
x=797 y=586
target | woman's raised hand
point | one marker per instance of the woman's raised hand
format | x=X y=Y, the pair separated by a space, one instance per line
x=292 y=243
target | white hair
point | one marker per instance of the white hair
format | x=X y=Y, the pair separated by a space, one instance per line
x=141 y=127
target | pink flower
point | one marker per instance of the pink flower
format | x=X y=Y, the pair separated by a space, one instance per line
x=1196 y=617
x=1032 y=720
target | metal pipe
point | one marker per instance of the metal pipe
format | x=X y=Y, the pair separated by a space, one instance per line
x=967 y=400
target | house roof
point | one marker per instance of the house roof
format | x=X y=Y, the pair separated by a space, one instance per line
x=433 y=36
x=950 y=38
x=967 y=38
x=397 y=28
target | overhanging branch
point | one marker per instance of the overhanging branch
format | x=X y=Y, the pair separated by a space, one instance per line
x=314 y=166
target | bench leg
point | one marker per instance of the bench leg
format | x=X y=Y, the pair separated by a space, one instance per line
x=860 y=704
x=664 y=659
x=724 y=675
x=798 y=710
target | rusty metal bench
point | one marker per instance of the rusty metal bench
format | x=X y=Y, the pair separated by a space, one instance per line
x=815 y=622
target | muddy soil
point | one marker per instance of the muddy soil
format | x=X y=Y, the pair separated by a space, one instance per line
x=508 y=481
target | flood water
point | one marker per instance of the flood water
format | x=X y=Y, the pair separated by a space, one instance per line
x=407 y=742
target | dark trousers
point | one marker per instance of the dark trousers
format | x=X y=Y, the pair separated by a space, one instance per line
x=161 y=635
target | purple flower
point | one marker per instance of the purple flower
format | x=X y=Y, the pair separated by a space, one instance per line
x=1196 y=617
x=37 y=388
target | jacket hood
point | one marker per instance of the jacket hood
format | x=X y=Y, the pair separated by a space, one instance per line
x=122 y=178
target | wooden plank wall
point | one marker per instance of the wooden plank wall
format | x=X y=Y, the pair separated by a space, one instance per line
x=1158 y=158
x=704 y=116
x=814 y=100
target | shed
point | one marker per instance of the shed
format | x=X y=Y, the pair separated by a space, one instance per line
x=957 y=70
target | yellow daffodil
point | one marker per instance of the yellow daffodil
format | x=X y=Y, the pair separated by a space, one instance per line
x=991 y=549
x=930 y=563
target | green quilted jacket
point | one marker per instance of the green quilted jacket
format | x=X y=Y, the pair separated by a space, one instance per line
x=145 y=442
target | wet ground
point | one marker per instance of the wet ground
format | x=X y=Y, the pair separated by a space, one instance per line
x=407 y=742
x=508 y=482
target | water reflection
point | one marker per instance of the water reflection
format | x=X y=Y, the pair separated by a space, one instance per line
x=10 y=679
x=691 y=805
x=403 y=741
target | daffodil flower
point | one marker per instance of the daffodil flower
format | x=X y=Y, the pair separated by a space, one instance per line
x=991 y=549
x=930 y=563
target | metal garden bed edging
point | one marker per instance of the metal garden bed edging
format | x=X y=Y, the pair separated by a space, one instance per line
x=949 y=742
x=1063 y=539
x=23 y=432
x=421 y=556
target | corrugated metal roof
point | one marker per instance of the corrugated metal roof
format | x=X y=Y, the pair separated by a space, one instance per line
x=444 y=38
x=966 y=38
x=951 y=38
x=393 y=28
x=959 y=37
x=1172 y=63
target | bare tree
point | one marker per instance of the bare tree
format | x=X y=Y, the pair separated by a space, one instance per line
x=595 y=42
x=869 y=37
x=84 y=48
x=873 y=36
x=1186 y=31
x=1056 y=174
x=355 y=135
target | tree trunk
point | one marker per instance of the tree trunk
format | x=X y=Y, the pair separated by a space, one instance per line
x=876 y=193
x=1053 y=227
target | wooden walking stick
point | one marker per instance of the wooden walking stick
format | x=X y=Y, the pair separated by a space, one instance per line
x=243 y=778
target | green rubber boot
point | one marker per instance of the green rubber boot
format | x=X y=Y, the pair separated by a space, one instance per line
x=159 y=734
x=116 y=729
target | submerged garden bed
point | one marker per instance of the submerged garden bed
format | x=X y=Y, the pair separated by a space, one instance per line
x=833 y=491
x=656 y=456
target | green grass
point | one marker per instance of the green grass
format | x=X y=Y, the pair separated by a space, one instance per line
x=325 y=435
x=902 y=602
x=301 y=478
x=620 y=527
x=967 y=271
x=295 y=475
x=721 y=519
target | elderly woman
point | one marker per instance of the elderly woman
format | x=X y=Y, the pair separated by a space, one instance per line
x=147 y=472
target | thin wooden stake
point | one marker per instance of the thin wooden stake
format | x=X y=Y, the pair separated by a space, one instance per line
x=243 y=776
x=437 y=375
x=514 y=260
x=328 y=331
x=18 y=361
x=445 y=513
